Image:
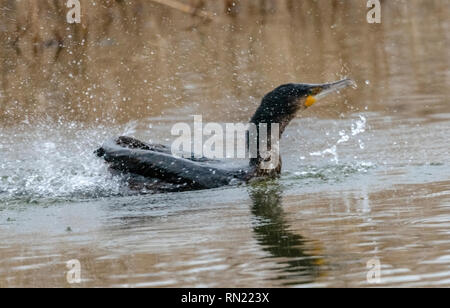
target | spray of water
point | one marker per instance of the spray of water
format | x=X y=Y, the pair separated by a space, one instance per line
x=54 y=161
x=358 y=127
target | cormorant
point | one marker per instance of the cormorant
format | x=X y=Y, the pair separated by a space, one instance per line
x=154 y=167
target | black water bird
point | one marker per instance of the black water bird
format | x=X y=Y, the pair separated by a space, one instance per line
x=153 y=166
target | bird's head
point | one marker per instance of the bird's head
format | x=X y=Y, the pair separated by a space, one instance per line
x=282 y=104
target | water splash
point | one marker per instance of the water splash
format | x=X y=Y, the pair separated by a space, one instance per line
x=130 y=128
x=334 y=172
x=358 y=127
x=54 y=161
x=331 y=151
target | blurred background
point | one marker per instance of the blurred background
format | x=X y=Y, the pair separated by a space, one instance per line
x=131 y=59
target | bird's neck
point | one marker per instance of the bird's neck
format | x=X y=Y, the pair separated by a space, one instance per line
x=266 y=159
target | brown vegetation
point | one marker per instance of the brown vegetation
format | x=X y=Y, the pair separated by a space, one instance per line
x=131 y=58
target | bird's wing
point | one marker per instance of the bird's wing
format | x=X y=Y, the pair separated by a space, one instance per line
x=154 y=161
x=132 y=143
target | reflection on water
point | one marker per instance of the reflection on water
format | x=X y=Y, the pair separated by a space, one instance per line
x=273 y=234
x=365 y=173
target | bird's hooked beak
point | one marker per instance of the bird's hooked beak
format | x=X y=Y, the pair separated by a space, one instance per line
x=320 y=91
